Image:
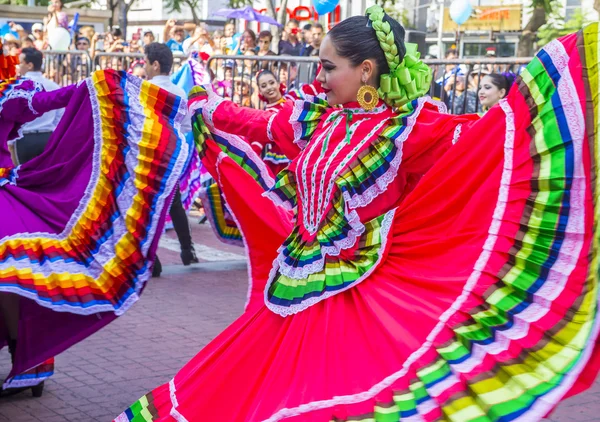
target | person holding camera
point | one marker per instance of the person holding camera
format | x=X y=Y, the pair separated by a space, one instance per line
x=292 y=46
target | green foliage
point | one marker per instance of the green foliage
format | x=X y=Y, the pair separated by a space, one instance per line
x=548 y=5
x=557 y=27
x=175 y=5
x=236 y=4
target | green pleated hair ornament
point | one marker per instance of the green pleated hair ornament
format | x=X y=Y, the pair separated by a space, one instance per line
x=408 y=79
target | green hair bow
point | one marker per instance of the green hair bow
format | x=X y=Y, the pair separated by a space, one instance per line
x=407 y=80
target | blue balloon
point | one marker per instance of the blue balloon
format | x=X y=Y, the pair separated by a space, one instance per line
x=460 y=11
x=325 y=6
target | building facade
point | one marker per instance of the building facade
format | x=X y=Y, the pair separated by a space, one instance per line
x=494 y=23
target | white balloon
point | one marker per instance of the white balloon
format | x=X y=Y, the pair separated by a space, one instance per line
x=59 y=39
x=460 y=11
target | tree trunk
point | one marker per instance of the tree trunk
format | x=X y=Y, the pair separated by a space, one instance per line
x=276 y=30
x=529 y=34
x=111 y=7
x=597 y=5
x=192 y=4
x=123 y=9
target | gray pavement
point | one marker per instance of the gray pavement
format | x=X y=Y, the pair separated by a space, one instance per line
x=177 y=315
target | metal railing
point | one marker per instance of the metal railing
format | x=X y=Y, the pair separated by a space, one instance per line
x=123 y=61
x=234 y=77
x=67 y=67
x=470 y=72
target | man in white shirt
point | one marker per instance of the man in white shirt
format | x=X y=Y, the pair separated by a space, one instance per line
x=159 y=61
x=37 y=132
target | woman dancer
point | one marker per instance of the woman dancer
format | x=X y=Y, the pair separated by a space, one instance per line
x=79 y=223
x=409 y=279
x=271 y=92
x=494 y=87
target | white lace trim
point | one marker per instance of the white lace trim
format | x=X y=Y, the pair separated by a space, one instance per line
x=576 y=123
x=174 y=413
x=324 y=196
x=286 y=204
x=269 y=125
x=471 y=282
x=457 y=131
x=123 y=200
x=300 y=273
x=381 y=183
x=32 y=382
x=541 y=407
x=16 y=92
x=239 y=143
x=285 y=311
x=302 y=168
x=352 y=202
x=296 y=125
x=208 y=108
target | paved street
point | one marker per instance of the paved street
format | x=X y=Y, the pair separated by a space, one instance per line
x=178 y=314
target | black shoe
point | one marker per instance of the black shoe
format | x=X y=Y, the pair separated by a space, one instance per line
x=157 y=269
x=188 y=256
x=36 y=390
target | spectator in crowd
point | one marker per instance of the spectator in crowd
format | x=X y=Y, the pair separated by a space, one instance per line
x=292 y=46
x=224 y=85
x=148 y=37
x=229 y=38
x=264 y=44
x=494 y=87
x=138 y=68
x=117 y=34
x=457 y=91
x=199 y=42
x=246 y=42
x=86 y=31
x=306 y=38
x=83 y=44
x=159 y=61
x=174 y=35
x=37 y=30
x=12 y=45
x=241 y=91
x=133 y=46
x=37 y=132
x=317 y=34
x=79 y=63
x=286 y=72
x=451 y=69
x=443 y=74
x=56 y=17
x=216 y=44
x=27 y=42
x=249 y=68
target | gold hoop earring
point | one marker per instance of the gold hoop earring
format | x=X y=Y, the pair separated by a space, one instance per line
x=367 y=97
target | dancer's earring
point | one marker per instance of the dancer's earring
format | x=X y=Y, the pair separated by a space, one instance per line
x=367 y=97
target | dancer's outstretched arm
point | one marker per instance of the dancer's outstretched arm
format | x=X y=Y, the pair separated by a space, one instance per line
x=224 y=115
x=25 y=108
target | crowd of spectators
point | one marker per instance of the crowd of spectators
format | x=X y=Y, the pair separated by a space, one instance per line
x=233 y=75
